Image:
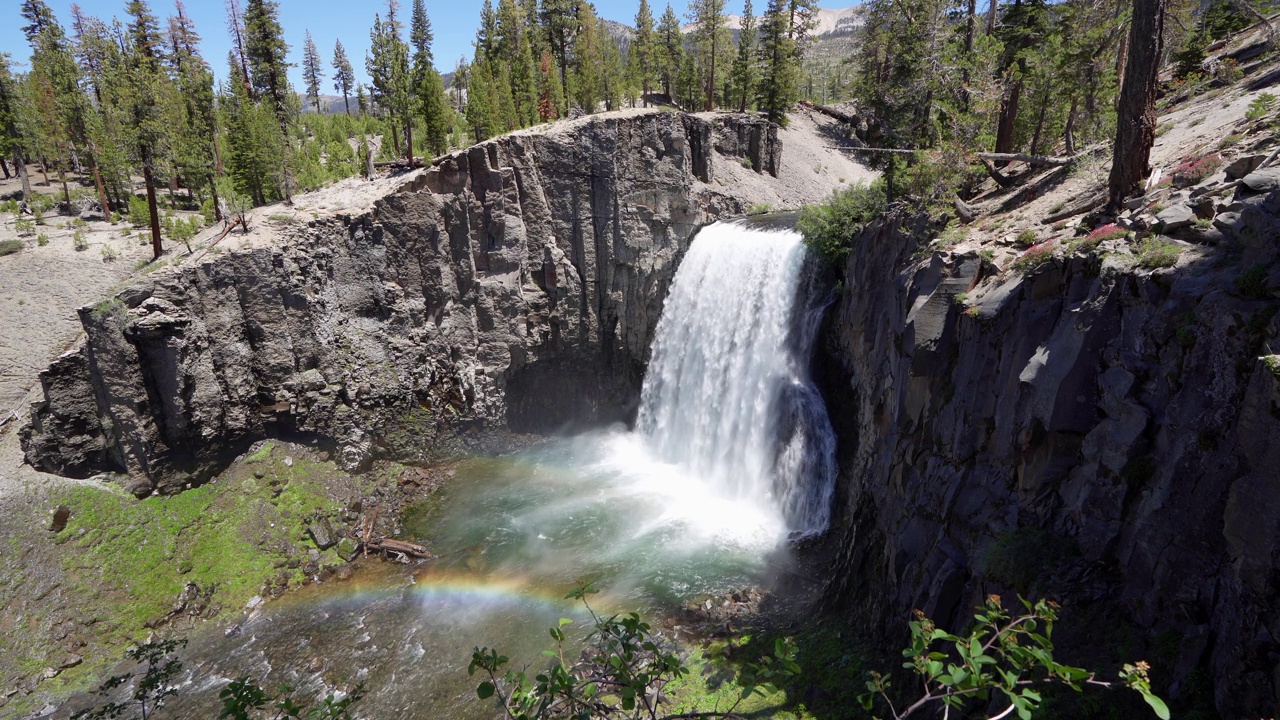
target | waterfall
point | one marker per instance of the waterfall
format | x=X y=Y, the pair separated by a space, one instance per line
x=728 y=395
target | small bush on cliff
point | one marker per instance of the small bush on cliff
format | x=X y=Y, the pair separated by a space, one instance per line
x=830 y=228
x=1004 y=657
x=9 y=247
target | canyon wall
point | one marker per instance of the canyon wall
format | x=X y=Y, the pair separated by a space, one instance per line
x=1091 y=431
x=513 y=287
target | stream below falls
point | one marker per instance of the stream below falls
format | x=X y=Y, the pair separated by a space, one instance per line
x=732 y=454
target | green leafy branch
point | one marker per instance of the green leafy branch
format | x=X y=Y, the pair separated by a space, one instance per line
x=1002 y=656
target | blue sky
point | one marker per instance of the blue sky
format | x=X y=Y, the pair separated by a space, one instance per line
x=453 y=22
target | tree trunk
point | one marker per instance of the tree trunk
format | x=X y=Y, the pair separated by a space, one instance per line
x=1035 y=136
x=1008 y=118
x=156 y=249
x=97 y=181
x=992 y=13
x=1069 y=132
x=22 y=173
x=217 y=205
x=345 y=102
x=66 y=191
x=1136 y=109
x=971 y=25
x=5 y=166
x=44 y=170
x=408 y=141
x=711 y=81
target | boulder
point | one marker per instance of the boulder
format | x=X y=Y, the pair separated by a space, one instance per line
x=1242 y=166
x=60 y=516
x=1263 y=180
x=322 y=534
x=1176 y=217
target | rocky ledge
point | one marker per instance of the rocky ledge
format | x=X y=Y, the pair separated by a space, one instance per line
x=513 y=287
x=1084 y=427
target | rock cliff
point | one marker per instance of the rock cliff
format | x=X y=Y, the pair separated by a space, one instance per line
x=1101 y=433
x=515 y=286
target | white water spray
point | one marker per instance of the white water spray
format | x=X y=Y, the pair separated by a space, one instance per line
x=728 y=396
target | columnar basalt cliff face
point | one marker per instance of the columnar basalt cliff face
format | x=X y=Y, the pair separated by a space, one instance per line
x=513 y=287
x=1104 y=435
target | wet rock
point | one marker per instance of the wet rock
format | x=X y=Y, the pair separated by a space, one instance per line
x=61 y=515
x=347 y=549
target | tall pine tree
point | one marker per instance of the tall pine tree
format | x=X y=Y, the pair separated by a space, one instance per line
x=312 y=72
x=344 y=76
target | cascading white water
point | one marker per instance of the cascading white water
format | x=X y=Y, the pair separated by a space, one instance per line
x=728 y=395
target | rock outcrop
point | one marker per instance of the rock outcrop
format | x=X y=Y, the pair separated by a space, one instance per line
x=515 y=286
x=1091 y=430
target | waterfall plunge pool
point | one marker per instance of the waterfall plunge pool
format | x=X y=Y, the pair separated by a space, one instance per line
x=732 y=454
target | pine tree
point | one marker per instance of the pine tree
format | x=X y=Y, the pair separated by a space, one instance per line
x=709 y=35
x=461 y=77
x=268 y=53
x=514 y=47
x=311 y=71
x=560 y=21
x=436 y=111
x=744 y=65
x=235 y=26
x=362 y=99
x=11 y=139
x=145 y=83
x=613 y=75
x=253 y=138
x=670 y=51
x=550 y=92
x=587 y=83
x=480 y=112
x=642 y=58
x=195 y=146
x=388 y=67
x=427 y=83
x=344 y=76
x=778 y=77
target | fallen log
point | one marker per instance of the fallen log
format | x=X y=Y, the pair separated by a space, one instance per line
x=998 y=157
x=417 y=162
x=1077 y=209
x=399 y=547
x=831 y=112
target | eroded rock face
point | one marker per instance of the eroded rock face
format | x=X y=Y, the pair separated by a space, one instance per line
x=514 y=287
x=1108 y=435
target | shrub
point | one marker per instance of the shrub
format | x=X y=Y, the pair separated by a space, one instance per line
x=109 y=254
x=759 y=209
x=1252 y=283
x=42 y=239
x=1110 y=231
x=24 y=226
x=1195 y=169
x=1157 y=252
x=1026 y=238
x=78 y=241
x=1260 y=107
x=139 y=214
x=830 y=228
x=1033 y=257
x=9 y=247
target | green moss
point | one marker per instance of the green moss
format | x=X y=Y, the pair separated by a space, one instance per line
x=131 y=558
